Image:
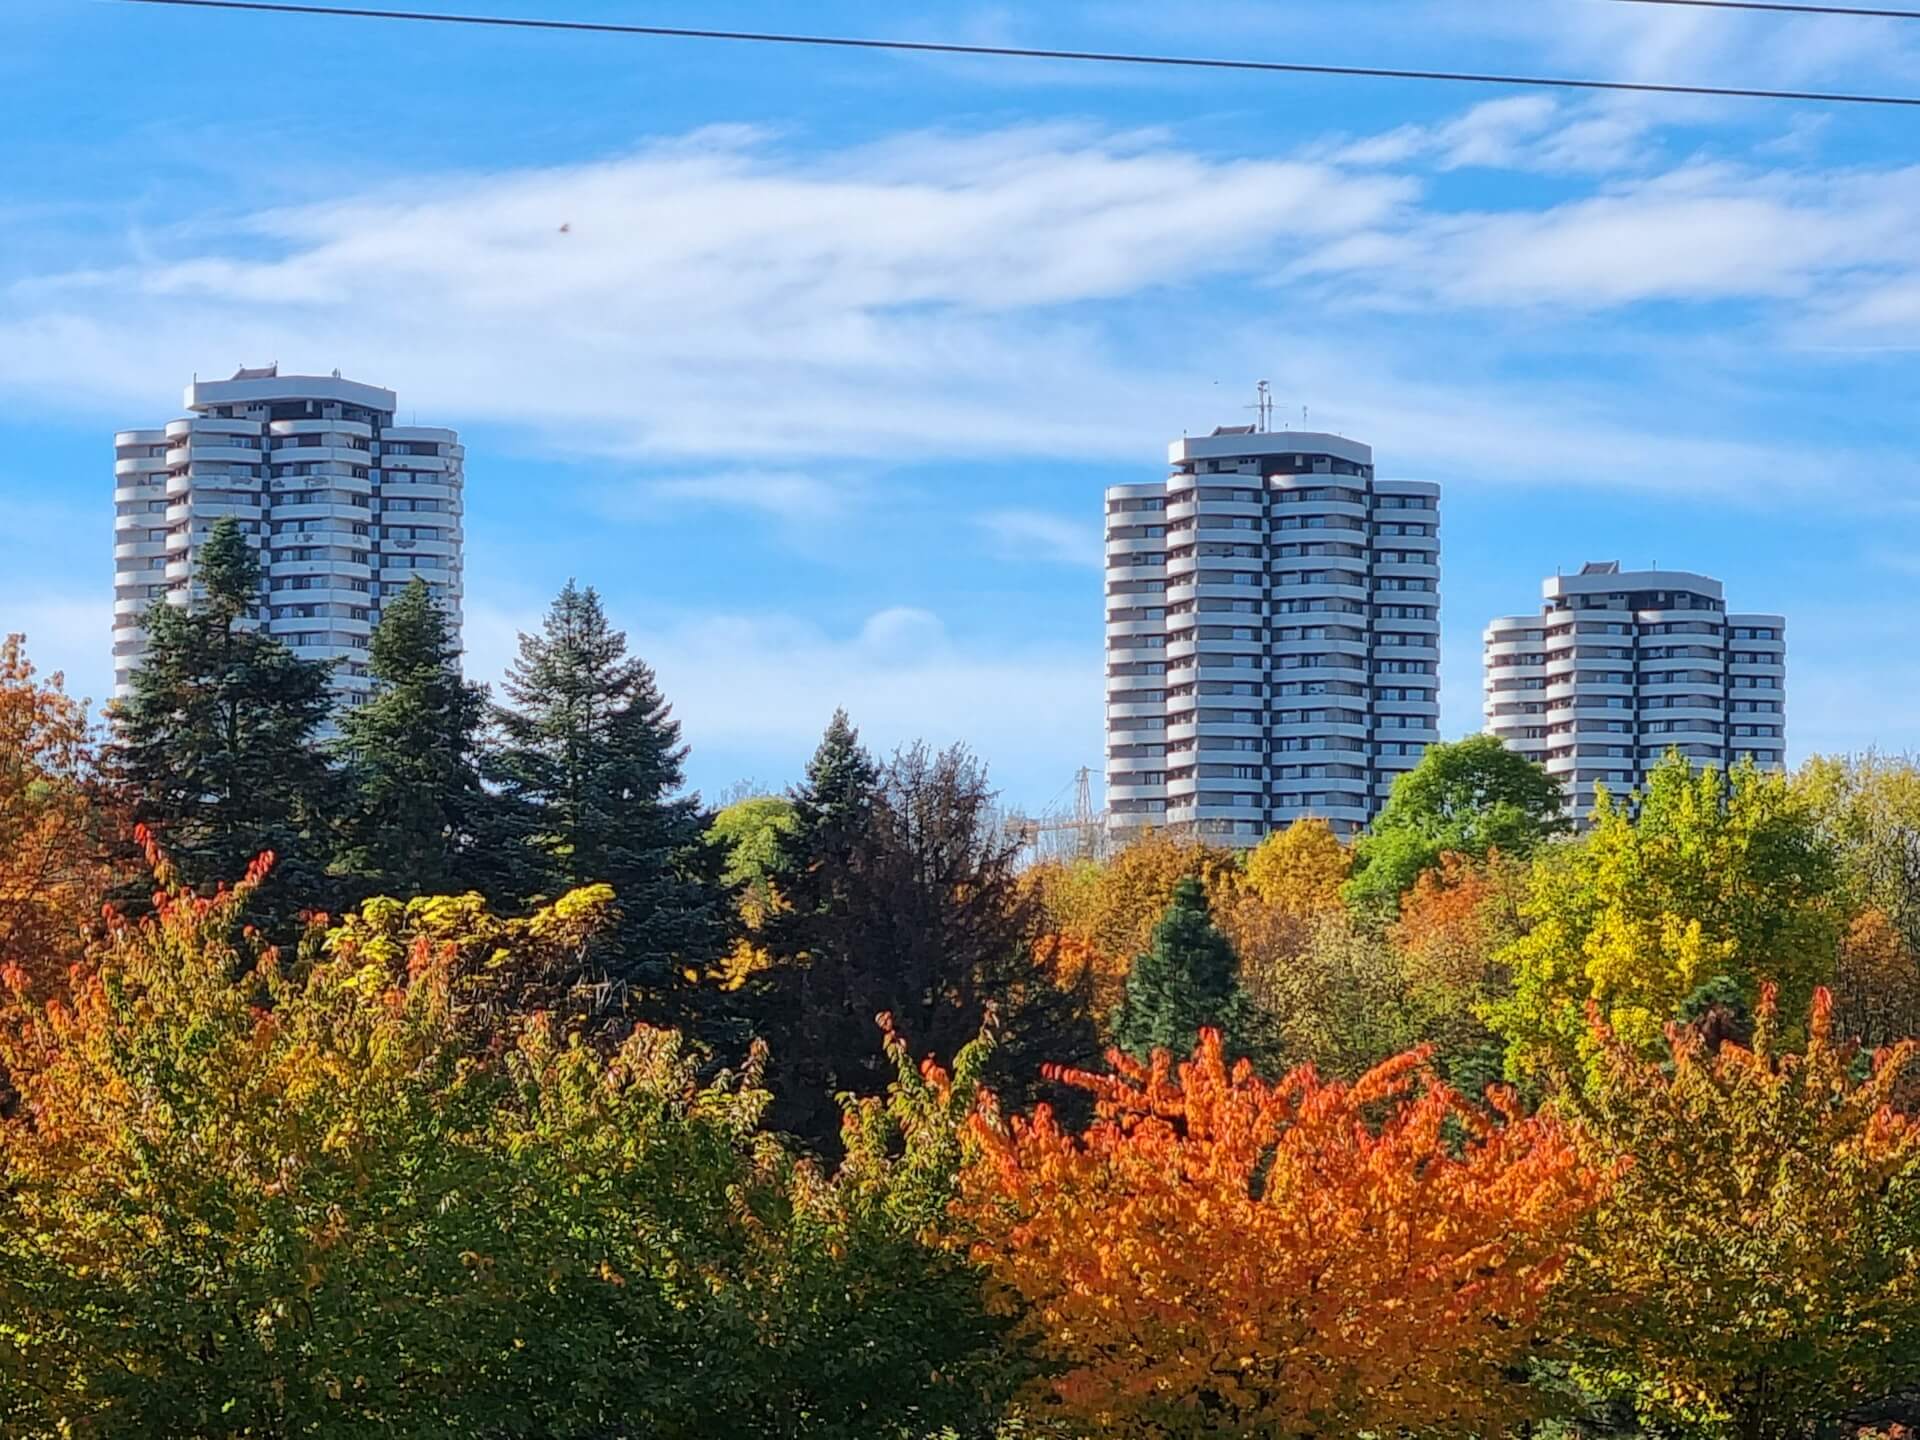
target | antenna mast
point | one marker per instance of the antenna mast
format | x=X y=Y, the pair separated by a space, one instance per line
x=1263 y=406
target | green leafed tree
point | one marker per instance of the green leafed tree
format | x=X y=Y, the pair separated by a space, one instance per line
x=1467 y=797
x=416 y=804
x=216 y=747
x=1704 y=887
x=590 y=778
x=752 y=831
x=1752 y=1271
x=1186 y=980
x=346 y=1195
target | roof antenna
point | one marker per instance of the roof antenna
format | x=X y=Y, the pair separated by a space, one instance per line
x=1263 y=406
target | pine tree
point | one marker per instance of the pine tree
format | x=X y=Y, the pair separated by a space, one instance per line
x=416 y=798
x=1187 y=979
x=589 y=774
x=215 y=747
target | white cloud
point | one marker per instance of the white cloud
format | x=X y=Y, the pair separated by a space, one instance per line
x=717 y=298
x=1037 y=534
x=792 y=496
x=1520 y=132
x=1697 y=234
x=711 y=290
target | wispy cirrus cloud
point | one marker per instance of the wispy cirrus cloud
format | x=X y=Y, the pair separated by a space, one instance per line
x=1042 y=535
x=1057 y=290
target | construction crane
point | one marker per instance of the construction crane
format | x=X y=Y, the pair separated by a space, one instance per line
x=1063 y=830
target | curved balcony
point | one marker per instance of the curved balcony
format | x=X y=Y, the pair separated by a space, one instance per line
x=339 y=569
x=324 y=510
x=432 y=574
x=320 y=624
x=211 y=451
x=1127 y=709
x=436 y=466
x=1517 y=645
x=1345 y=509
x=357 y=428
x=345 y=456
x=1406 y=570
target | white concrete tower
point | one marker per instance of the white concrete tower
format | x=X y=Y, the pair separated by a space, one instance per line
x=1272 y=636
x=344 y=505
x=1619 y=667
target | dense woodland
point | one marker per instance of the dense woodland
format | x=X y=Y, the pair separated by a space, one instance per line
x=458 y=1074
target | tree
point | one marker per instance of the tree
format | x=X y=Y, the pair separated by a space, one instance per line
x=333 y=1197
x=1327 y=992
x=1111 y=909
x=1455 y=925
x=53 y=874
x=752 y=831
x=1218 y=1255
x=417 y=804
x=1869 y=808
x=1186 y=980
x=1468 y=797
x=902 y=900
x=589 y=770
x=215 y=747
x=1299 y=870
x=1876 y=989
x=1752 y=1271
x=1707 y=885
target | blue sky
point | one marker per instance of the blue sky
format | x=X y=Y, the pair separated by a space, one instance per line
x=823 y=382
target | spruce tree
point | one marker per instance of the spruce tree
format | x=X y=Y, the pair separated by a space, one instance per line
x=215 y=748
x=832 y=822
x=1186 y=979
x=416 y=803
x=589 y=775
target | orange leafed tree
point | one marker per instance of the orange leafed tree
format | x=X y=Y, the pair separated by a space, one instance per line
x=1224 y=1256
x=51 y=878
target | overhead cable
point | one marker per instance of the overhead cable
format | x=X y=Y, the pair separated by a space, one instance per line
x=1017 y=52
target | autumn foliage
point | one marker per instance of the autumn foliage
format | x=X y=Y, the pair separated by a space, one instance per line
x=1222 y=1255
x=1755 y=1269
x=52 y=878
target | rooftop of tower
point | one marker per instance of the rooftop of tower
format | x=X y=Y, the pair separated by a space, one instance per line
x=265 y=383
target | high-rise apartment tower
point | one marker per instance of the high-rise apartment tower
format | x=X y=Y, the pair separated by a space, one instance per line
x=1273 y=633
x=1622 y=666
x=345 y=506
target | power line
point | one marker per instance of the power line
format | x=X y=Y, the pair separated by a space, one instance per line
x=1014 y=52
x=1778 y=7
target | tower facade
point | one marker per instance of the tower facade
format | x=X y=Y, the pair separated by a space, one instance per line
x=345 y=506
x=1272 y=636
x=1621 y=666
